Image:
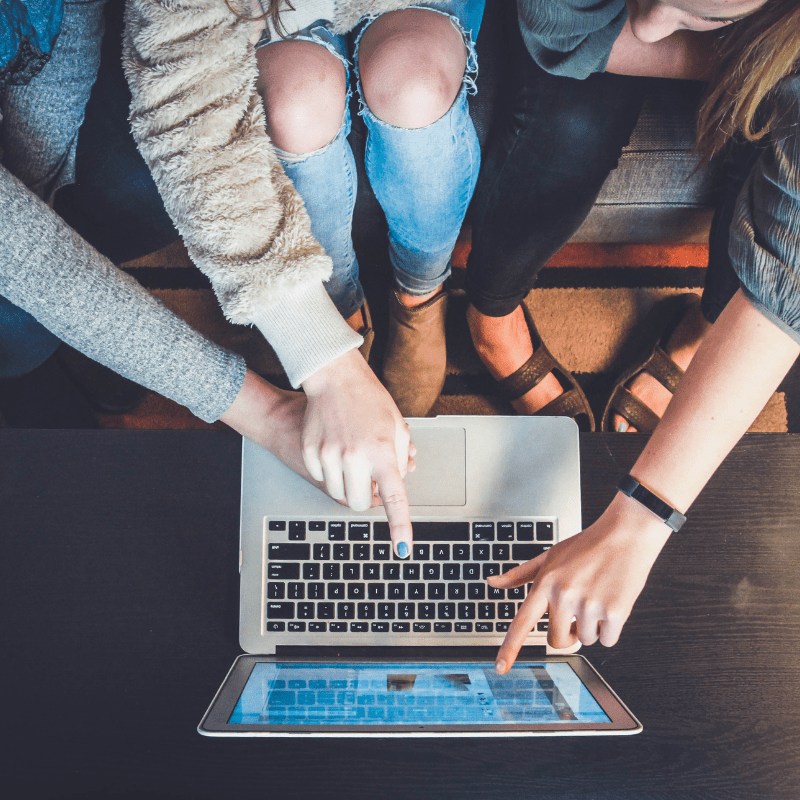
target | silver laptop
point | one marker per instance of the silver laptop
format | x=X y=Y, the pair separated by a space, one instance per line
x=318 y=579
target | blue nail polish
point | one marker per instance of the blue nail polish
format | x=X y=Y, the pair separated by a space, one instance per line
x=402 y=550
x=622 y=426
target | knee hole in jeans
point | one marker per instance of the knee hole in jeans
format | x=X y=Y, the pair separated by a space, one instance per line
x=304 y=89
x=412 y=67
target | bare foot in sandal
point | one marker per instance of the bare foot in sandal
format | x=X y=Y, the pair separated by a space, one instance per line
x=504 y=345
x=527 y=375
x=680 y=347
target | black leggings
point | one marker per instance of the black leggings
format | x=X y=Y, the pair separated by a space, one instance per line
x=543 y=171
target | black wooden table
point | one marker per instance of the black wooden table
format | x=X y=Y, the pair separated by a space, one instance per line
x=118 y=598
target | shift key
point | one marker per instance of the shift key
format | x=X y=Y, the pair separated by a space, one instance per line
x=289 y=551
x=525 y=552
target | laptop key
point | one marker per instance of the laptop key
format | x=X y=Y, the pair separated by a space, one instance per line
x=359 y=627
x=288 y=551
x=358 y=531
x=544 y=531
x=417 y=627
x=508 y=566
x=496 y=594
x=372 y=572
x=365 y=610
x=441 y=552
x=411 y=572
x=506 y=610
x=456 y=591
x=280 y=610
x=406 y=610
x=476 y=591
x=427 y=531
x=331 y=572
x=316 y=525
x=525 y=552
x=442 y=627
x=351 y=572
x=335 y=591
x=481 y=552
x=391 y=572
x=283 y=572
x=360 y=551
x=541 y=626
x=501 y=627
x=315 y=591
x=376 y=591
x=345 y=610
x=381 y=552
x=337 y=627
x=501 y=552
x=431 y=572
x=356 y=591
x=341 y=552
x=325 y=610
x=525 y=531
x=472 y=572
x=305 y=611
x=277 y=525
x=436 y=591
x=466 y=610
x=426 y=611
x=484 y=627
x=487 y=570
x=483 y=531
x=401 y=627
x=486 y=610
x=396 y=591
x=317 y=627
x=385 y=610
x=322 y=552
x=416 y=591
x=276 y=591
x=451 y=572
x=276 y=627
x=297 y=591
x=336 y=531
x=296 y=627
x=380 y=627
x=421 y=552
x=463 y=627
x=311 y=572
x=297 y=530
x=505 y=531
x=447 y=610
x=461 y=552
x=517 y=593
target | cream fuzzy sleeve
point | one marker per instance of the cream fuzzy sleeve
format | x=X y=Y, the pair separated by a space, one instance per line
x=199 y=123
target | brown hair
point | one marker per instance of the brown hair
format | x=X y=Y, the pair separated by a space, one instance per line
x=273 y=13
x=754 y=55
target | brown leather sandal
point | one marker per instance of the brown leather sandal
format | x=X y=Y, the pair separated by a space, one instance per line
x=664 y=319
x=572 y=403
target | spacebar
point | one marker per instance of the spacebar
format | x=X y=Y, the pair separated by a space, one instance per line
x=428 y=531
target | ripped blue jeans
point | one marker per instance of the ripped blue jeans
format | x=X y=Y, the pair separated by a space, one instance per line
x=422 y=177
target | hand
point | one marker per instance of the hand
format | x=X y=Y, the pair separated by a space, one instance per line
x=357 y=443
x=588 y=582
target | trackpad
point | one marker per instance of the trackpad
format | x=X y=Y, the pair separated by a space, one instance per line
x=440 y=478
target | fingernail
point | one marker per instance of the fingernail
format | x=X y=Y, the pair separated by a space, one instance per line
x=500 y=666
x=622 y=426
x=402 y=550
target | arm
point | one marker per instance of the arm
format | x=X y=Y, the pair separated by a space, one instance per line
x=684 y=54
x=597 y=575
x=199 y=123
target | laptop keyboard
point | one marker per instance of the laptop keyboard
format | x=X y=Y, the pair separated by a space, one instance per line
x=342 y=576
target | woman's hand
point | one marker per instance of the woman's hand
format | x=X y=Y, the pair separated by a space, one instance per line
x=355 y=441
x=588 y=582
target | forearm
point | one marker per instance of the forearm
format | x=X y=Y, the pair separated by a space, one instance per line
x=684 y=54
x=740 y=363
x=50 y=272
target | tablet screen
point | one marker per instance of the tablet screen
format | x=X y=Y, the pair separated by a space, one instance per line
x=408 y=693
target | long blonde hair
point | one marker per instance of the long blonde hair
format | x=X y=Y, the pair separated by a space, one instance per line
x=754 y=55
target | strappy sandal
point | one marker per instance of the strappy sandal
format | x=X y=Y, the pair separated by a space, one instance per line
x=572 y=403
x=663 y=320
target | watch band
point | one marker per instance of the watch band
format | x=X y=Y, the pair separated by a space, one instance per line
x=652 y=502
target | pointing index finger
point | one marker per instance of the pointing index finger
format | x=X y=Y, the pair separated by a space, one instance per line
x=392 y=492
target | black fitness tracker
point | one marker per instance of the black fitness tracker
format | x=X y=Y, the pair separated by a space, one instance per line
x=652 y=502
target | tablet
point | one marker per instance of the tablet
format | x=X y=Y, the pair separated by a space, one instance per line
x=275 y=696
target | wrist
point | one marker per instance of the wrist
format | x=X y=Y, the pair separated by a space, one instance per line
x=338 y=372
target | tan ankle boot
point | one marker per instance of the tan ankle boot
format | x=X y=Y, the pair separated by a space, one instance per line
x=416 y=355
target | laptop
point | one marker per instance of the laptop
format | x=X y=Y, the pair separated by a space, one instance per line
x=345 y=639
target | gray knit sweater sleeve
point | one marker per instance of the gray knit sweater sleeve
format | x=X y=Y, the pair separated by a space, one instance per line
x=765 y=236
x=50 y=272
x=572 y=38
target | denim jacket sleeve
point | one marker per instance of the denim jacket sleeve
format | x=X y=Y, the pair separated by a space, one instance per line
x=765 y=235
x=572 y=38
